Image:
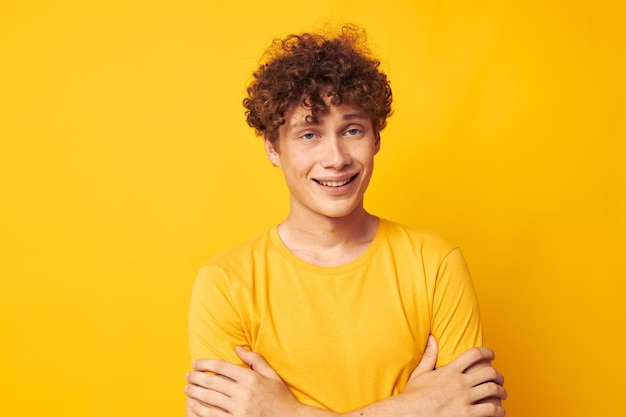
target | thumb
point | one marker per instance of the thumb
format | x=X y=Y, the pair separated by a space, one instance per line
x=257 y=363
x=429 y=358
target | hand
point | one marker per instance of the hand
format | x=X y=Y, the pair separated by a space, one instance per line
x=500 y=380
x=467 y=386
x=228 y=389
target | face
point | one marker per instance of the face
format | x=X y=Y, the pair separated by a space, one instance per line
x=328 y=163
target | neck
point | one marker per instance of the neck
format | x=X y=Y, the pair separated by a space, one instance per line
x=328 y=241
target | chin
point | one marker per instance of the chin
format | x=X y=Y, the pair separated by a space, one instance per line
x=338 y=212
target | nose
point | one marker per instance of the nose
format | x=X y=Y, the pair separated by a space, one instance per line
x=335 y=153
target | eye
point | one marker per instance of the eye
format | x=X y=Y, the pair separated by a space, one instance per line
x=308 y=136
x=353 y=132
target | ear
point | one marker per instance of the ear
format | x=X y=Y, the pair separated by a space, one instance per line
x=271 y=151
x=377 y=144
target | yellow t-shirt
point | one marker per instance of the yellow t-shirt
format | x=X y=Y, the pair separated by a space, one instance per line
x=341 y=337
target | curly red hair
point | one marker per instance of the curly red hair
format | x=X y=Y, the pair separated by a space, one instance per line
x=313 y=70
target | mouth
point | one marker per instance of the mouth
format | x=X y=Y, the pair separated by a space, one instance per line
x=336 y=183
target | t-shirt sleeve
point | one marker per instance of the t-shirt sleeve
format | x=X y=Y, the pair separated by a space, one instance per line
x=215 y=327
x=456 y=317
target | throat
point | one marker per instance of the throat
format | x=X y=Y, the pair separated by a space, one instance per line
x=332 y=247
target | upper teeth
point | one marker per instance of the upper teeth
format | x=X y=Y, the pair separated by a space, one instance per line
x=335 y=183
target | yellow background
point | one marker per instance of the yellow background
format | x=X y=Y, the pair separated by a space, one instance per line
x=125 y=163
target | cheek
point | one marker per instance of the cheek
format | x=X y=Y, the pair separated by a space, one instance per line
x=367 y=158
x=292 y=171
x=297 y=164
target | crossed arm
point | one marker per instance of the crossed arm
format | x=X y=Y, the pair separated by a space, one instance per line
x=466 y=387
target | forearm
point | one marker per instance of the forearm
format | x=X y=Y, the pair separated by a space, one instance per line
x=467 y=386
x=395 y=406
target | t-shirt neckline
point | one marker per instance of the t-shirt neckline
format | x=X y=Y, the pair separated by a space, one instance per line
x=299 y=263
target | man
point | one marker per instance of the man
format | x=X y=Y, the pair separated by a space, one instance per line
x=334 y=311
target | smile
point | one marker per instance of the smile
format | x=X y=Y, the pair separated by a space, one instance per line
x=335 y=183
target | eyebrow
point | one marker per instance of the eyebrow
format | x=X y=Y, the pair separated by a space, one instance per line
x=346 y=117
x=351 y=116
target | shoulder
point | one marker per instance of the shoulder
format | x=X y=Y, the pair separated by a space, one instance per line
x=231 y=273
x=425 y=254
x=239 y=258
x=242 y=253
x=415 y=239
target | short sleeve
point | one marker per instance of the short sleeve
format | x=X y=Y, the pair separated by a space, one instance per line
x=215 y=326
x=456 y=317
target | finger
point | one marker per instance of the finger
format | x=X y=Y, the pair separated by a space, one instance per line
x=206 y=398
x=220 y=367
x=471 y=357
x=211 y=381
x=195 y=408
x=257 y=363
x=489 y=409
x=485 y=373
x=487 y=390
x=429 y=357
x=497 y=376
x=189 y=408
x=202 y=410
x=493 y=400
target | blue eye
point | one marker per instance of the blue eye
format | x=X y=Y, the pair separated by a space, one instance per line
x=308 y=136
x=353 y=132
